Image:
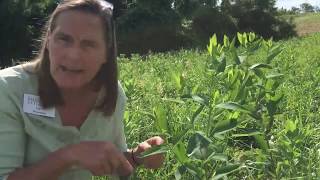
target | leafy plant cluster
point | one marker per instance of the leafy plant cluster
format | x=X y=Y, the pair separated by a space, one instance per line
x=236 y=132
x=236 y=111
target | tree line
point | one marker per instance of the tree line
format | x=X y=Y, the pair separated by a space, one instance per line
x=146 y=25
x=303 y=8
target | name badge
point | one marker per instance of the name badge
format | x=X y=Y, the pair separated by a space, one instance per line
x=31 y=104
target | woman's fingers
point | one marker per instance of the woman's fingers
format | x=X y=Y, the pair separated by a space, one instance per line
x=156 y=140
x=154 y=161
x=144 y=146
x=101 y=158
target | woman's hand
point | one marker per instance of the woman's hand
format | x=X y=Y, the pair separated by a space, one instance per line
x=154 y=161
x=99 y=157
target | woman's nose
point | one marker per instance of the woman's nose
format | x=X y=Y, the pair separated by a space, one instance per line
x=74 y=53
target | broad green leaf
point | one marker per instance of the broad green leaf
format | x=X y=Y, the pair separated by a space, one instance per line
x=234 y=77
x=242 y=90
x=177 y=79
x=219 y=49
x=242 y=58
x=222 y=64
x=224 y=171
x=225 y=126
x=161 y=118
x=233 y=106
x=254 y=46
x=160 y=149
x=196 y=171
x=260 y=65
x=277 y=98
x=195 y=89
x=200 y=100
x=274 y=75
x=247 y=134
x=290 y=126
x=243 y=94
x=180 y=152
x=226 y=41
x=214 y=40
x=252 y=36
x=259 y=73
x=196 y=114
x=217 y=157
x=209 y=48
x=196 y=98
x=240 y=39
x=273 y=53
x=235 y=57
x=261 y=142
x=273 y=102
x=214 y=62
x=180 y=135
x=232 y=43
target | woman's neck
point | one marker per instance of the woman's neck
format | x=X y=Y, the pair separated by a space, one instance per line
x=79 y=96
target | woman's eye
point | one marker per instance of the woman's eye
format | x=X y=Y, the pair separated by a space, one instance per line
x=65 y=39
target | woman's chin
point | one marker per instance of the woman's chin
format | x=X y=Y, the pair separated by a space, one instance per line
x=70 y=85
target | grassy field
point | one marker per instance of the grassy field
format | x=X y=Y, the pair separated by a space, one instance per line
x=253 y=113
x=157 y=86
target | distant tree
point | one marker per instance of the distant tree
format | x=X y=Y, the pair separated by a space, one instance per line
x=306 y=7
x=266 y=5
x=226 y=6
x=148 y=25
x=186 y=8
x=259 y=16
x=21 y=22
x=295 y=9
x=144 y=25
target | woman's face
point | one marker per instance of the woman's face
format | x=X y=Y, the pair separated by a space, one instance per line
x=77 y=49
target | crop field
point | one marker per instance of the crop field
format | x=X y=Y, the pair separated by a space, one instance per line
x=250 y=112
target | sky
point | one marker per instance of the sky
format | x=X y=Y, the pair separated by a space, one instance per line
x=288 y=4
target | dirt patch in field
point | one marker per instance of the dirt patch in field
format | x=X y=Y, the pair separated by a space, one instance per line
x=307 y=24
x=308 y=28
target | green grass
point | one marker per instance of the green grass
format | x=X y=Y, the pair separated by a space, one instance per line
x=307 y=18
x=148 y=82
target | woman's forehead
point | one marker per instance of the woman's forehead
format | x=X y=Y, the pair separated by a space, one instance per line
x=79 y=22
x=78 y=17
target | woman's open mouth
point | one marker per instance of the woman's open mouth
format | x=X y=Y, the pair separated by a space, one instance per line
x=72 y=70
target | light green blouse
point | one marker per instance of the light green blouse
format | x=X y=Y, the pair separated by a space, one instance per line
x=26 y=138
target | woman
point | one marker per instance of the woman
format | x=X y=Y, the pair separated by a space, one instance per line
x=61 y=115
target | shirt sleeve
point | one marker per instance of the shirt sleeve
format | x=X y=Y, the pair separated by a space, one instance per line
x=12 y=134
x=119 y=114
